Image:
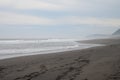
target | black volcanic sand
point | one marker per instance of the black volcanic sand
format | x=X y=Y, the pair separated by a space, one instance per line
x=98 y=63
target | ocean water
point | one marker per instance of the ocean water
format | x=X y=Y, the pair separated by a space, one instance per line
x=15 y=48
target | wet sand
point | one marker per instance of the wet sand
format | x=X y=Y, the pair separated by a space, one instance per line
x=97 y=63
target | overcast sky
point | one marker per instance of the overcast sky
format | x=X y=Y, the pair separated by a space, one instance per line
x=58 y=18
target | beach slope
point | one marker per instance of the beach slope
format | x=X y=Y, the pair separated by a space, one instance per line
x=97 y=63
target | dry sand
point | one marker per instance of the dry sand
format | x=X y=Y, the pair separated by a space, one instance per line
x=98 y=63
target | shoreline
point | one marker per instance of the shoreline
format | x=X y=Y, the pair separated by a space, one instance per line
x=54 y=52
x=88 y=45
x=97 y=63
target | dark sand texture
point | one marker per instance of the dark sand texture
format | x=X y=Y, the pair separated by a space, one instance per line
x=98 y=63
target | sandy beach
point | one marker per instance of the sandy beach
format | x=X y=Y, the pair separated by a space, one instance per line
x=97 y=63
